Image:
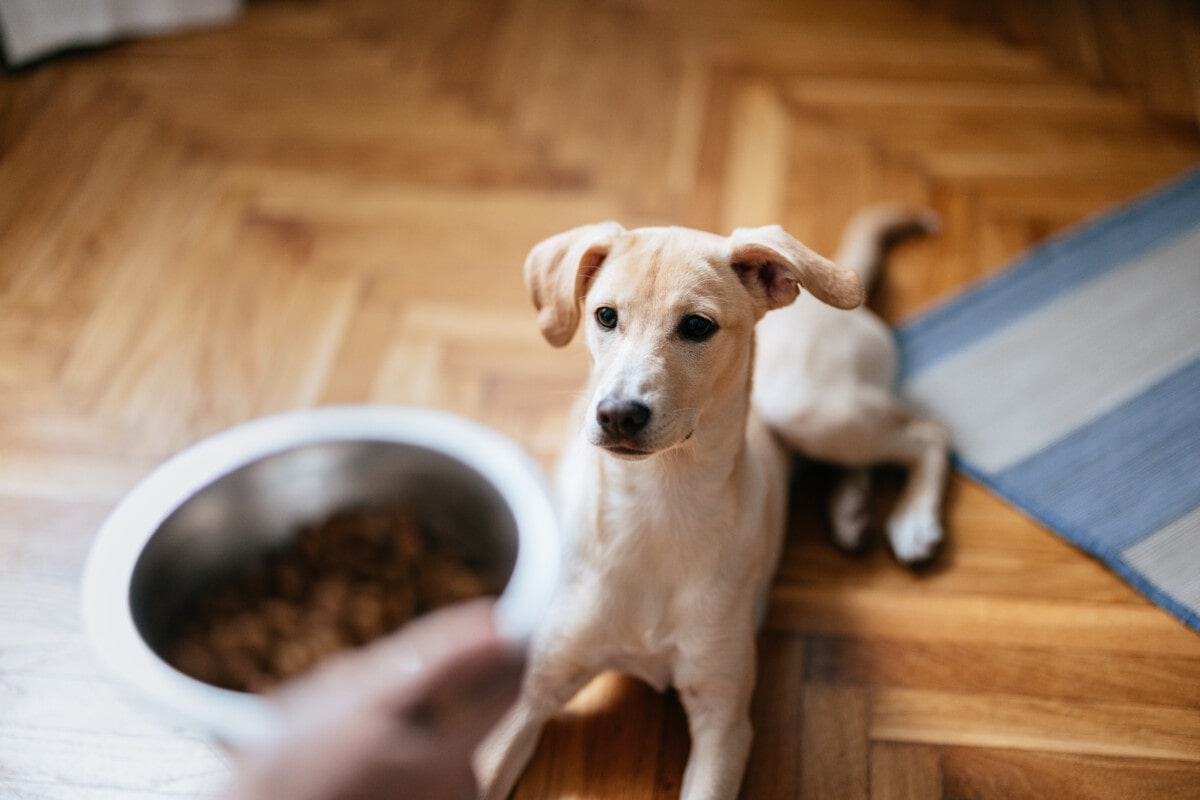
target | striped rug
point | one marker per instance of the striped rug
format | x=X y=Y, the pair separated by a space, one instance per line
x=1071 y=383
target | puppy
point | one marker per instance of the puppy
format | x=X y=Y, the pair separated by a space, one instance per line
x=672 y=486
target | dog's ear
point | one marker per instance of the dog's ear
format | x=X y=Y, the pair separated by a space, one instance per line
x=771 y=263
x=557 y=272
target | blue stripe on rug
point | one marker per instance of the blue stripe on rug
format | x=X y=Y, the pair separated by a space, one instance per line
x=1048 y=272
x=1120 y=479
x=1122 y=476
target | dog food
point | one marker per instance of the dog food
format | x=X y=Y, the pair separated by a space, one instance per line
x=338 y=585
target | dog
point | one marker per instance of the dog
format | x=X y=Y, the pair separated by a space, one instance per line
x=673 y=482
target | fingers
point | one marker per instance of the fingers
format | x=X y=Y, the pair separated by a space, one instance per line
x=432 y=637
x=432 y=668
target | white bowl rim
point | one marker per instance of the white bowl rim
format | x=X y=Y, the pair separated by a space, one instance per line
x=245 y=719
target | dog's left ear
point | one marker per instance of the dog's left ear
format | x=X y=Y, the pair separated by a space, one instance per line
x=557 y=272
x=771 y=263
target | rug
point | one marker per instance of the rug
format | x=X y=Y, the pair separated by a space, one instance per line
x=1071 y=384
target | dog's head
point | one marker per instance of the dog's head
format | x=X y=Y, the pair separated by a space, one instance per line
x=669 y=315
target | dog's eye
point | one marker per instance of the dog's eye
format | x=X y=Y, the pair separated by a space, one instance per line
x=607 y=317
x=697 y=328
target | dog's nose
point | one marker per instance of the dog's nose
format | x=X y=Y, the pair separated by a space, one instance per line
x=622 y=417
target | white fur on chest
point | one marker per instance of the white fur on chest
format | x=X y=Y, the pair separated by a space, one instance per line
x=670 y=555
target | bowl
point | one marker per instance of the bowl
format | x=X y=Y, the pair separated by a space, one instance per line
x=207 y=512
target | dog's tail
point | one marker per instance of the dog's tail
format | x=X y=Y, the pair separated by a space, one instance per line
x=872 y=231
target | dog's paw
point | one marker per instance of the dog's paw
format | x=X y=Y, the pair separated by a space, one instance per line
x=849 y=527
x=848 y=509
x=914 y=537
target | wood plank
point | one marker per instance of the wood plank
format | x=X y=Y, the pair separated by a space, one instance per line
x=905 y=771
x=1079 y=676
x=1026 y=723
x=1105 y=42
x=835 y=757
x=82 y=761
x=978 y=774
x=68 y=477
x=866 y=612
x=757 y=164
x=774 y=769
x=42 y=629
x=18 y=789
x=65 y=530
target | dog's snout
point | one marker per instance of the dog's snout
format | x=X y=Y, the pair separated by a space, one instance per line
x=622 y=417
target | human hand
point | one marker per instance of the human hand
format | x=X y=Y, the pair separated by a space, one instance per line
x=399 y=718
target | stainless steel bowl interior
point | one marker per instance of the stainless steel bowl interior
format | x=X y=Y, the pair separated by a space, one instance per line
x=257 y=507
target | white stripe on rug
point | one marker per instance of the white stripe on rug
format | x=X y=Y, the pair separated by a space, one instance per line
x=1171 y=560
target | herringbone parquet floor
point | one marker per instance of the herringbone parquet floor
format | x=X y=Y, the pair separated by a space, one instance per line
x=331 y=201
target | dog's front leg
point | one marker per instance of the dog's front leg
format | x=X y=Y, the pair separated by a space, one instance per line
x=549 y=684
x=718 y=712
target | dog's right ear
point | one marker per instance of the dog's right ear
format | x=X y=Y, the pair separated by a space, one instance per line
x=774 y=265
x=557 y=272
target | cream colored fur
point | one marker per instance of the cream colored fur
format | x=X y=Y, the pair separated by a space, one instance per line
x=673 y=483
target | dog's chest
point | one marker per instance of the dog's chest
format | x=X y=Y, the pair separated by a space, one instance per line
x=659 y=574
x=672 y=527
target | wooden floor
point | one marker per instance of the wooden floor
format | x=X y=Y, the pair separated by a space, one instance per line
x=1149 y=49
x=331 y=201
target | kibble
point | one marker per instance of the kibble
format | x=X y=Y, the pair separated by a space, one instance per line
x=337 y=585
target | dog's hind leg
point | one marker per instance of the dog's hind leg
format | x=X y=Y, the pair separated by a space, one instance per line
x=913 y=527
x=920 y=446
x=872 y=430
